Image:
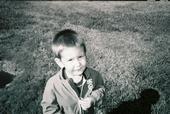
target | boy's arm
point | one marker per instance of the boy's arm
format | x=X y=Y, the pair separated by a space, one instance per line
x=99 y=90
x=49 y=102
x=97 y=95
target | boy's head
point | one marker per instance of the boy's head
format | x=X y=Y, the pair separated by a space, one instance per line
x=70 y=51
x=66 y=38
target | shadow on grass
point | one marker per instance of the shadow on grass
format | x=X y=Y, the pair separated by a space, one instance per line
x=5 y=78
x=148 y=97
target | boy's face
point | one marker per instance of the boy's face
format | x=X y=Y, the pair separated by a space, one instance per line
x=74 y=60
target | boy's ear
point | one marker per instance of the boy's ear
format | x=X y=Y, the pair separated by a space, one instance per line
x=59 y=62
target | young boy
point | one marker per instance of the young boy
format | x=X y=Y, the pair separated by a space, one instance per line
x=75 y=89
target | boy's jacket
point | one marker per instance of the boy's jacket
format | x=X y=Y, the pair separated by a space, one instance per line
x=61 y=95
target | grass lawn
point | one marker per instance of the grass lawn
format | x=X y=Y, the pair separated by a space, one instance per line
x=128 y=42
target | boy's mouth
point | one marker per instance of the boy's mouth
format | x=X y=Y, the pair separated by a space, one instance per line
x=78 y=69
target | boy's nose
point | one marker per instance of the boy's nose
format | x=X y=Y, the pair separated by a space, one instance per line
x=77 y=63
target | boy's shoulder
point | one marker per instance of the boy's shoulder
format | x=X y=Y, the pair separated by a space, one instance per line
x=55 y=77
x=91 y=72
x=89 y=69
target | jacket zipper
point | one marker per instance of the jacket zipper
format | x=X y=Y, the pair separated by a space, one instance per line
x=77 y=98
x=81 y=92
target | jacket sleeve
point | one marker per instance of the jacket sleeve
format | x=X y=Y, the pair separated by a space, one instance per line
x=99 y=89
x=49 y=101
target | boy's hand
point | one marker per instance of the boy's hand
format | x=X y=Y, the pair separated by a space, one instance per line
x=86 y=103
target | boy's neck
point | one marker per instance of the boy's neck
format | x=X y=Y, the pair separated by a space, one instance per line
x=76 y=79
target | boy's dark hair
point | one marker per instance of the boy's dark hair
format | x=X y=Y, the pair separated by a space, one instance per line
x=66 y=38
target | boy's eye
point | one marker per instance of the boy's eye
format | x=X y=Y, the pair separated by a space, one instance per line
x=70 y=59
x=80 y=57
